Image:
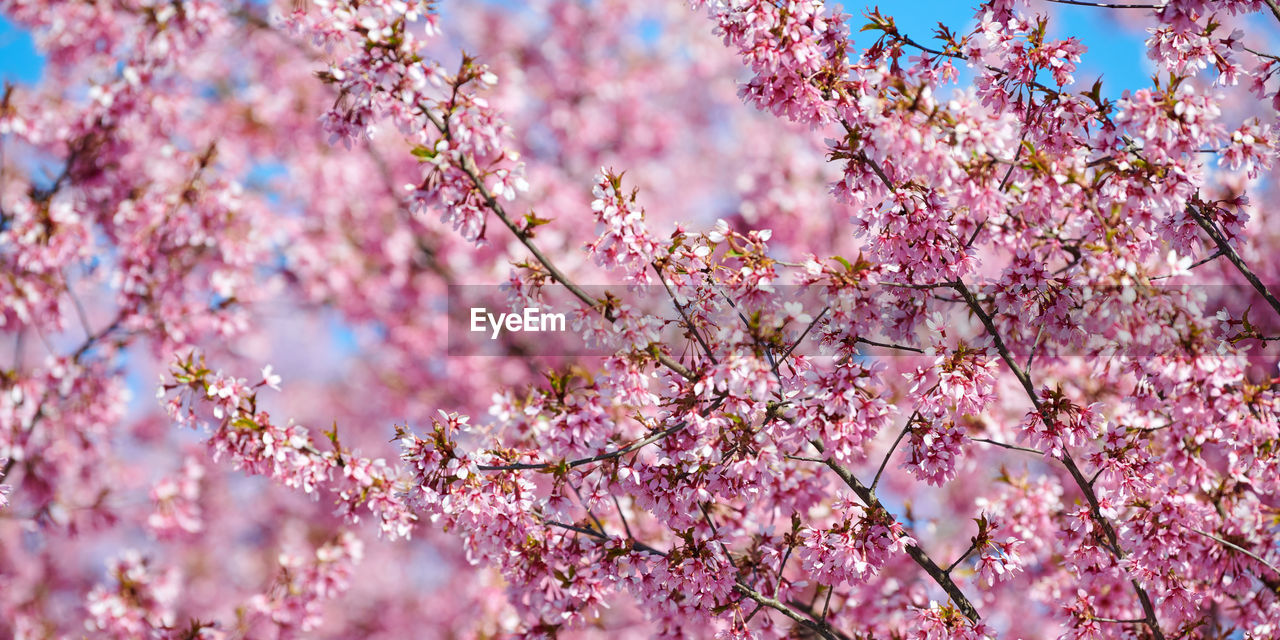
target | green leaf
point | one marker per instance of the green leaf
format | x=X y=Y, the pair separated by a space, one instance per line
x=532 y=220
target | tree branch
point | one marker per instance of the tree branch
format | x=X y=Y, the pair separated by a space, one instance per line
x=917 y=554
x=1225 y=248
x=468 y=167
x=820 y=627
x=884 y=463
x=688 y=322
x=887 y=345
x=1004 y=445
x=1275 y=9
x=1086 y=487
x=617 y=453
x=1231 y=545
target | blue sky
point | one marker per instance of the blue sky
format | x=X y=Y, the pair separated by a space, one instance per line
x=1115 y=47
x=1116 y=52
x=19 y=61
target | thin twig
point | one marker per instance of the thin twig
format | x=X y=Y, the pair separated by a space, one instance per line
x=599 y=525
x=688 y=322
x=803 y=334
x=541 y=466
x=1262 y=54
x=875 y=482
x=973 y=545
x=617 y=453
x=1236 y=547
x=1013 y=447
x=1031 y=355
x=887 y=345
x=1215 y=256
x=622 y=516
x=79 y=307
x=1108 y=5
x=820 y=627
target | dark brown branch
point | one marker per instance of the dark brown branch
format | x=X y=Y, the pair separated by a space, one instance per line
x=820 y=627
x=973 y=545
x=1262 y=54
x=917 y=554
x=887 y=346
x=1224 y=247
x=989 y=324
x=1201 y=262
x=1086 y=486
x=1275 y=9
x=905 y=39
x=803 y=335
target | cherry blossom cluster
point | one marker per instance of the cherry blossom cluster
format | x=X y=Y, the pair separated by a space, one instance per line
x=294 y=603
x=227 y=407
x=625 y=240
x=140 y=602
x=797 y=51
x=177 y=502
x=460 y=139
